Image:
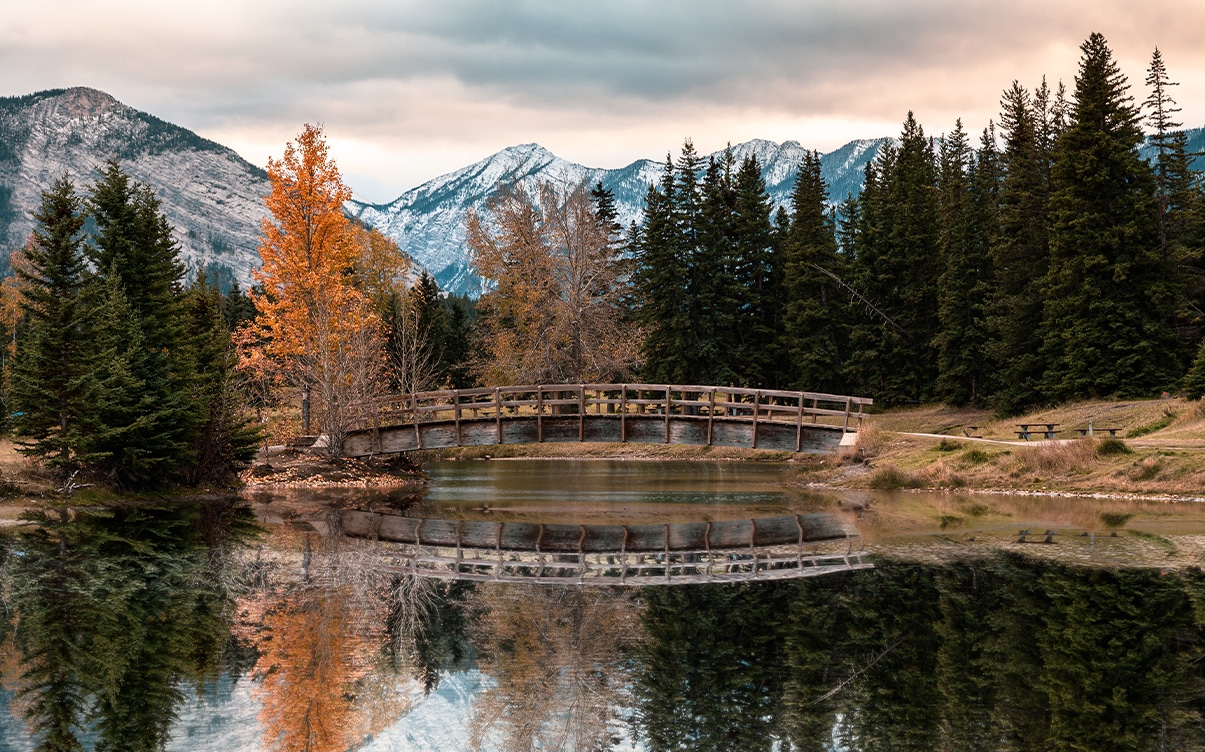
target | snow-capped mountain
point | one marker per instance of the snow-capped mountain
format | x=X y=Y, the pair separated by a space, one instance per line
x=428 y=221
x=212 y=196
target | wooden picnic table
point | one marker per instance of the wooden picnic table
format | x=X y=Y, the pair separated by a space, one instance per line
x=1112 y=431
x=1049 y=432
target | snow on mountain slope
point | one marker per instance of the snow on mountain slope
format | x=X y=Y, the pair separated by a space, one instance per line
x=428 y=221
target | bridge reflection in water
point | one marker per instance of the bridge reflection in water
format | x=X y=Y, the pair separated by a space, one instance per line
x=808 y=422
x=769 y=548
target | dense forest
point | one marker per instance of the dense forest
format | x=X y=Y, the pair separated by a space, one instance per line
x=1046 y=262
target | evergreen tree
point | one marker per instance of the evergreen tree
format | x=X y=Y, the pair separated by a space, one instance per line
x=961 y=339
x=813 y=323
x=661 y=285
x=713 y=292
x=1020 y=255
x=237 y=307
x=225 y=441
x=757 y=277
x=1194 y=381
x=53 y=389
x=137 y=260
x=1103 y=331
x=1162 y=109
x=896 y=270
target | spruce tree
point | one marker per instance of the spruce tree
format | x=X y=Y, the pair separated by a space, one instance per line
x=713 y=293
x=1194 y=380
x=757 y=276
x=1020 y=255
x=896 y=270
x=53 y=390
x=961 y=339
x=140 y=289
x=1103 y=332
x=661 y=286
x=813 y=324
x=225 y=441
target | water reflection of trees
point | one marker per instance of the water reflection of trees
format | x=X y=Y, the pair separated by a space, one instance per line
x=115 y=611
x=556 y=656
x=334 y=628
x=1006 y=654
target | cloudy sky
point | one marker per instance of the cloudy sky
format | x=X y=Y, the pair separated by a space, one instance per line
x=410 y=90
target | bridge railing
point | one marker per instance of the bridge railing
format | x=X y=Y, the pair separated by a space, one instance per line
x=713 y=402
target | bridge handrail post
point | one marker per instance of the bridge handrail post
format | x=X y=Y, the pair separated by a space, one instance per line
x=847 y=405
x=581 y=412
x=799 y=426
x=756 y=400
x=498 y=411
x=540 y=414
x=668 y=402
x=418 y=434
x=456 y=413
x=710 y=415
x=623 y=413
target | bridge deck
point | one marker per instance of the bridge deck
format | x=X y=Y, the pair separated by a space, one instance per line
x=639 y=413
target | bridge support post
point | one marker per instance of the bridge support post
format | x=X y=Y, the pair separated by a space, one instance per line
x=418 y=435
x=456 y=413
x=540 y=414
x=498 y=412
x=581 y=412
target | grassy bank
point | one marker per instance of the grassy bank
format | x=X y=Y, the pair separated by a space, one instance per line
x=1160 y=450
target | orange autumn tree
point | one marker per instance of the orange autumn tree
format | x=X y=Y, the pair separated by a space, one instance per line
x=311 y=315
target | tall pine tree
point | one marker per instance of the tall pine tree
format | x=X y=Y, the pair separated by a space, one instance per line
x=54 y=393
x=1020 y=256
x=1103 y=331
x=812 y=330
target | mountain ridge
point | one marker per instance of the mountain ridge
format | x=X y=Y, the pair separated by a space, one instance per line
x=214 y=198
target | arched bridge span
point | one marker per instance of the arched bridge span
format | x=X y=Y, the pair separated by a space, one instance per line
x=808 y=422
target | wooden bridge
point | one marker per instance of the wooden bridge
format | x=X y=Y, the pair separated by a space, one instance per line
x=808 y=422
x=682 y=553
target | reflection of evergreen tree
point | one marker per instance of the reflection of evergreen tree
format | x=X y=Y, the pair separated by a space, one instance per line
x=1006 y=654
x=893 y=641
x=1110 y=658
x=440 y=642
x=814 y=642
x=706 y=679
x=115 y=610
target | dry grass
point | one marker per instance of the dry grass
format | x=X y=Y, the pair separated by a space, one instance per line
x=1166 y=458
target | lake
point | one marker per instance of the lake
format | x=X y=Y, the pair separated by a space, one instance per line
x=258 y=622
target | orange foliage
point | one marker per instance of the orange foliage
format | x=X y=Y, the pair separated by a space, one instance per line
x=555 y=313
x=311 y=315
x=308 y=249
x=11 y=297
x=307 y=669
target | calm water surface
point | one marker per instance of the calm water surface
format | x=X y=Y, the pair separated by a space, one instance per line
x=249 y=625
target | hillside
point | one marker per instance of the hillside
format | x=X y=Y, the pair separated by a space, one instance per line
x=211 y=195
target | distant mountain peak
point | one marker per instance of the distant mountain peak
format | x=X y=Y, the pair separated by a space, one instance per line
x=428 y=221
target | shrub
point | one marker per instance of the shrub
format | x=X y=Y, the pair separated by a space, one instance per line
x=891 y=478
x=1110 y=447
x=1115 y=519
x=973 y=457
